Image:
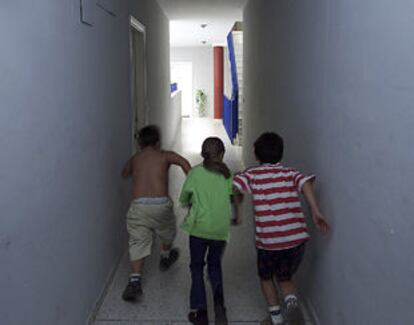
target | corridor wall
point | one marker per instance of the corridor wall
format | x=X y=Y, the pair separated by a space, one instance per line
x=336 y=79
x=65 y=132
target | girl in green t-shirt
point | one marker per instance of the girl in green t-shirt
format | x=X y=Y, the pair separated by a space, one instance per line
x=207 y=192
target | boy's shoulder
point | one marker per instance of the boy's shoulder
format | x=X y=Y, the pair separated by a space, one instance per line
x=167 y=152
x=268 y=168
x=171 y=155
x=248 y=170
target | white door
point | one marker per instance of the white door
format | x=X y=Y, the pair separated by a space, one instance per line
x=182 y=74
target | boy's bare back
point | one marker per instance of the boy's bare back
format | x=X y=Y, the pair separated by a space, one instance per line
x=149 y=170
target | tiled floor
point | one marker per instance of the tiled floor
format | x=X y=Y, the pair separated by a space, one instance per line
x=165 y=299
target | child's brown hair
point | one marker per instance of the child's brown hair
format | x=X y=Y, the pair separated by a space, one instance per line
x=149 y=136
x=212 y=151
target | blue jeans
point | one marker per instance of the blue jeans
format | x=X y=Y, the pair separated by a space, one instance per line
x=214 y=249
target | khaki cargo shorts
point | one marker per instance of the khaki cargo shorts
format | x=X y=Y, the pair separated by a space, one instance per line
x=144 y=221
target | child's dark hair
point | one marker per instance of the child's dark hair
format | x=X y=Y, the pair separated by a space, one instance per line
x=211 y=150
x=149 y=136
x=268 y=148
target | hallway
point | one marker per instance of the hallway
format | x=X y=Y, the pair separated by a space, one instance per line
x=334 y=78
x=165 y=299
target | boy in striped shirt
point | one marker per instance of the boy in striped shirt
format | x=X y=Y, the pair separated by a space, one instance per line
x=280 y=224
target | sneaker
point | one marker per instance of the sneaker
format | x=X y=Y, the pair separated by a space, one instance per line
x=293 y=313
x=132 y=291
x=220 y=315
x=291 y=304
x=166 y=262
x=272 y=321
x=276 y=319
x=198 y=317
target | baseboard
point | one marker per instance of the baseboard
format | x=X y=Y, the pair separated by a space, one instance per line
x=309 y=312
x=108 y=282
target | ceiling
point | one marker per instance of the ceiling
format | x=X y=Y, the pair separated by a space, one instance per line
x=186 y=17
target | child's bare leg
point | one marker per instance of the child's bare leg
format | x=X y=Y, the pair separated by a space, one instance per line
x=270 y=292
x=166 y=247
x=167 y=233
x=133 y=289
x=287 y=288
x=272 y=298
x=169 y=256
x=137 y=266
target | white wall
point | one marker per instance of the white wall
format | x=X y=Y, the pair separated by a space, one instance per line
x=336 y=79
x=65 y=123
x=176 y=102
x=202 y=59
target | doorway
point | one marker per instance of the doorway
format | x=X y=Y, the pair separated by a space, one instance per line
x=182 y=74
x=138 y=79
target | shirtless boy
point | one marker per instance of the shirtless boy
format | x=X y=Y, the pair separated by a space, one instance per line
x=151 y=211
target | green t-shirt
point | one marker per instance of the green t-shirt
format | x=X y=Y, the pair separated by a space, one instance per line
x=209 y=196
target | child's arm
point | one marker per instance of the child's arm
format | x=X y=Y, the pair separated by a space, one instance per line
x=237 y=199
x=128 y=168
x=317 y=217
x=185 y=199
x=176 y=159
x=186 y=194
x=240 y=184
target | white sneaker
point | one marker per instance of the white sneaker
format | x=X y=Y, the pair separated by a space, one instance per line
x=276 y=319
x=291 y=303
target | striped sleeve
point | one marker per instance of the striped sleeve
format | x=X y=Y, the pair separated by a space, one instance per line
x=242 y=182
x=299 y=179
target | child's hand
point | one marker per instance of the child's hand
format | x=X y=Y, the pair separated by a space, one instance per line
x=320 y=222
x=236 y=221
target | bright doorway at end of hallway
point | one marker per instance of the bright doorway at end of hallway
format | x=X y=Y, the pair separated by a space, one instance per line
x=182 y=74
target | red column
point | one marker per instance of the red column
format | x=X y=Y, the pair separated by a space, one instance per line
x=218 y=82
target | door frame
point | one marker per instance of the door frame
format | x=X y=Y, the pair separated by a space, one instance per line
x=137 y=26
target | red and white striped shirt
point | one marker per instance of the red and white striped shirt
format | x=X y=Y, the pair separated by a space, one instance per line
x=280 y=223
